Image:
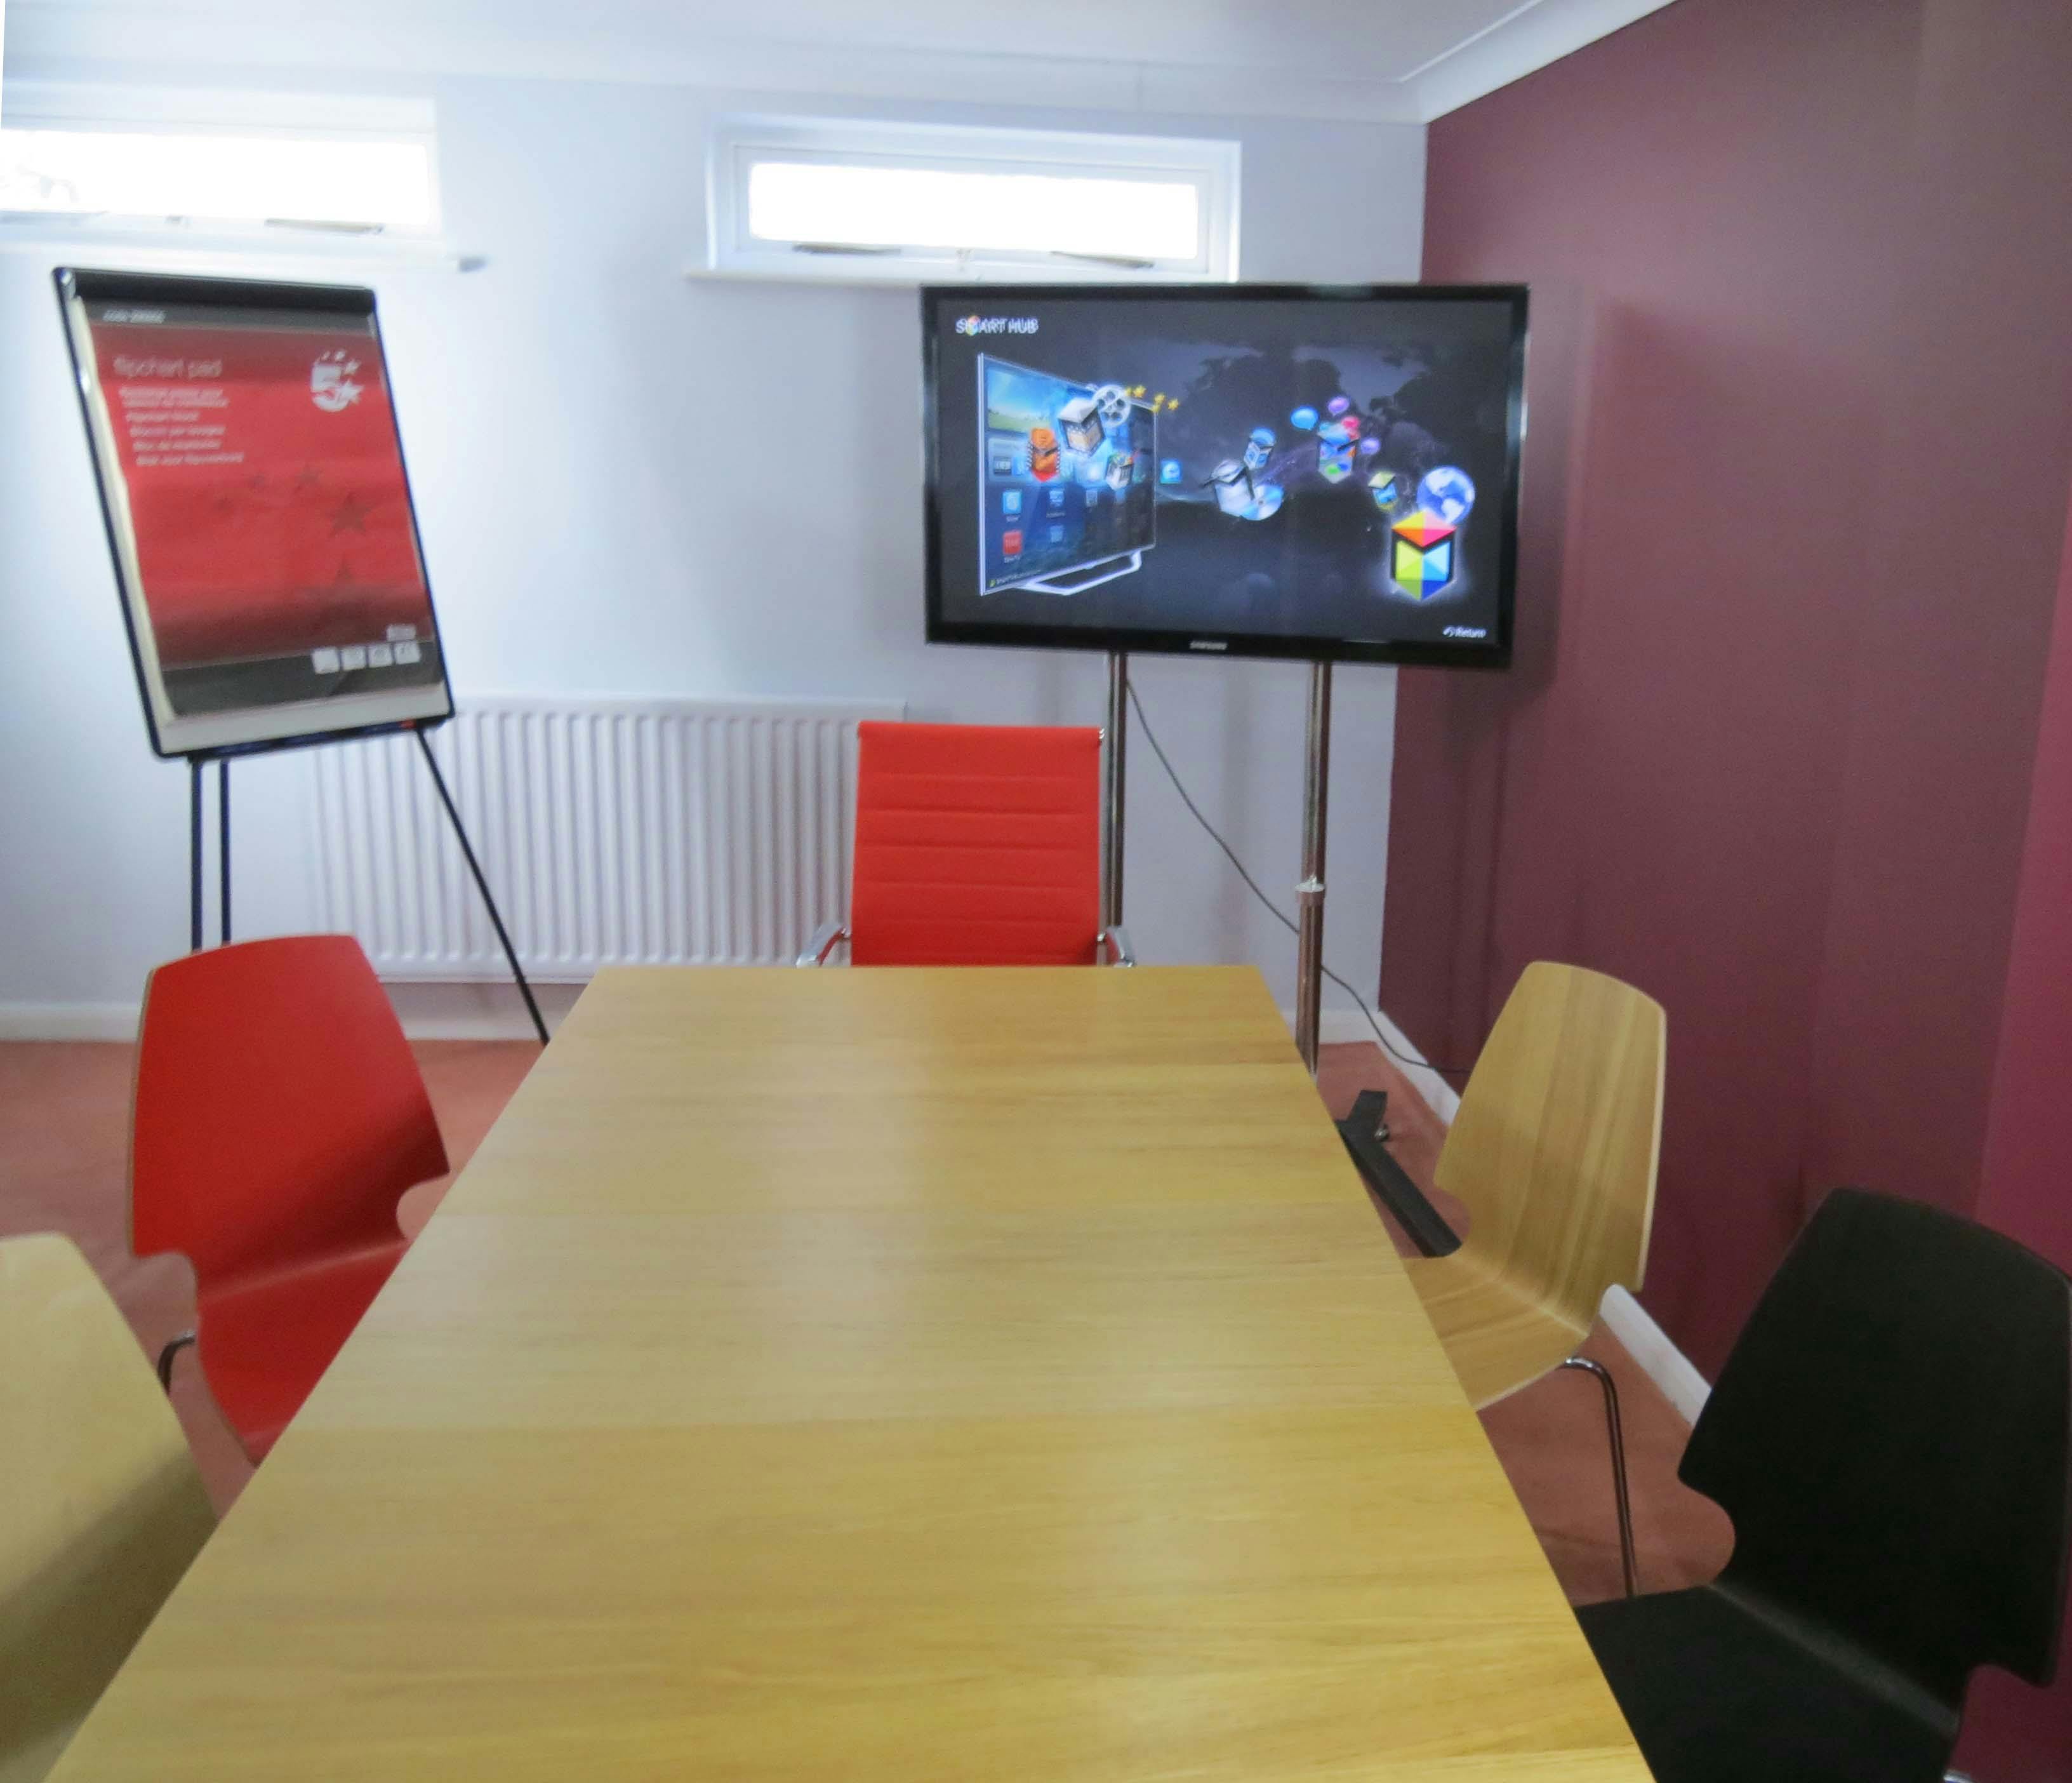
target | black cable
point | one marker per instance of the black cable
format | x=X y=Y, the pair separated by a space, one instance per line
x=1272 y=909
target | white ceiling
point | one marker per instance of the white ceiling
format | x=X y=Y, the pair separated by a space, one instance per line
x=1377 y=60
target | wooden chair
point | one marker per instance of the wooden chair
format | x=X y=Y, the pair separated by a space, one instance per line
x=1553 y=1155
x=975 y=845
x=279 y=1118
x=100 y=1506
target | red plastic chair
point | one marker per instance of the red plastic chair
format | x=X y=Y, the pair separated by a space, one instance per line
x=975 y=845
x=279 y=1117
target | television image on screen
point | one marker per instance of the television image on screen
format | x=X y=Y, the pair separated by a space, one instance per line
x=1319 y=472
x=252 y=482
x=1065 y=503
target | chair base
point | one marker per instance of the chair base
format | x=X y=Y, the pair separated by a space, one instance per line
x=185 y=1340
x=1616 y=1431
x=1498 y=1342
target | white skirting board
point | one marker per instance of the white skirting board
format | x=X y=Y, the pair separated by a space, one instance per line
x=468 y=1011
x=1660 y=1360
x=1624 y=1316
x=1336 y=1026
x=67 y=1021
x=478 y=1011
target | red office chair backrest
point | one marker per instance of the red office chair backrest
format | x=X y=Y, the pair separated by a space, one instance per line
x=976 y=845
x=279 y=1112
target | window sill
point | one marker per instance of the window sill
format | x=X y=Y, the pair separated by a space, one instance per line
x=865 y=269
x=170 y=248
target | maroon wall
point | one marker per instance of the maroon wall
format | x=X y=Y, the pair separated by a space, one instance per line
x=2028 y=1190
x=1801 y=435
x=2028 y=1136
x=1801 y=421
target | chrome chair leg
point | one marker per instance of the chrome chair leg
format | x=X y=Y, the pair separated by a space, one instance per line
x=1618 y=1466
x=165 y=1358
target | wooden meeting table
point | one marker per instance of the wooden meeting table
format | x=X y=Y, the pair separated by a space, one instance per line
x=894 y=1374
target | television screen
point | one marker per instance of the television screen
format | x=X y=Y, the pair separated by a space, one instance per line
x=1249 y=469
x=252 y=481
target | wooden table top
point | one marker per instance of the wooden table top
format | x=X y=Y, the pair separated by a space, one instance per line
x=887 y=1374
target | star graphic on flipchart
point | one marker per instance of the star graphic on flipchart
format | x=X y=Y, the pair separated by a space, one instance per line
x=344 y=579
x=350 y=515
x=308 y=477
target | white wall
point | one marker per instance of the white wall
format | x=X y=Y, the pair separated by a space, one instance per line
x=587 y=434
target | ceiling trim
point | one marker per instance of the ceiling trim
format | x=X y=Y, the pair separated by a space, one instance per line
x=67 y=39
x=1522 y=42
x=71 y=37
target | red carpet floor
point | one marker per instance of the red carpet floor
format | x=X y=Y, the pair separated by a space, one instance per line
x=65 y=1112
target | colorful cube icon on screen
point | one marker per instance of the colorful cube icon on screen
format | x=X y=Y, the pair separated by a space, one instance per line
x=1042 y=453
x=1421 y=554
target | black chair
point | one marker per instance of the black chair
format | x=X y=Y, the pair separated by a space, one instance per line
x=1890 y=1437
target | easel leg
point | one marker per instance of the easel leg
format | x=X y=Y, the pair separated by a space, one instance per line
x=193 y=854
x=222 y=846
x=481 y=884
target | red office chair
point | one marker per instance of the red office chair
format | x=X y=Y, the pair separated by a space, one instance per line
x=279 y=1117
x=975 y=845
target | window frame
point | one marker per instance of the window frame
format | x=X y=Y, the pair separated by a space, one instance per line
x=102 y=110
x=1213 y=166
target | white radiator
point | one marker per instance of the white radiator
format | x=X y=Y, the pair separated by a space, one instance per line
x=613 y=832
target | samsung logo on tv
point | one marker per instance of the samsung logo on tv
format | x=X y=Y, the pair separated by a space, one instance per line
x=1208 y=644
x=996 y=324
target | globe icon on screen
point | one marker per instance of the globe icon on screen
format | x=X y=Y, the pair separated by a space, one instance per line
x=1447 y=493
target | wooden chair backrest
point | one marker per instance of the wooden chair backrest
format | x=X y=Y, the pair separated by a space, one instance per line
x=100 y=1505
x=1553 y=1152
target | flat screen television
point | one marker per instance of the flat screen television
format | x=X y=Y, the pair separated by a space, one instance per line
x=1322 y=472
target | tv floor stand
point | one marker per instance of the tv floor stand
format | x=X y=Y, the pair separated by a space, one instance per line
x=1309 y=892
x=1117 y=737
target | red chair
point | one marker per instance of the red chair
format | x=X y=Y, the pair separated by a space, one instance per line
x=279 y=1117
x=975 y=845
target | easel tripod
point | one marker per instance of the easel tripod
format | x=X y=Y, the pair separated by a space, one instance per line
x=198 y=763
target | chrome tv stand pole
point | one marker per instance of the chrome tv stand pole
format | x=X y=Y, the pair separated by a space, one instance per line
x=1118 y=727
x=1310 y=894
